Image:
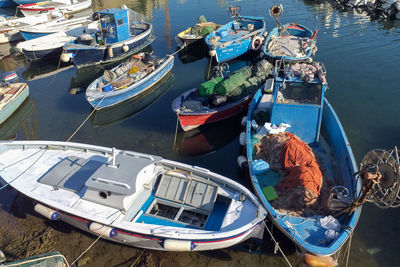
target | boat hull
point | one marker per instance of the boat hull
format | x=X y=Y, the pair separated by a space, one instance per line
x=11 y=107
x=52 y=53
x=155 y=242
x=7 y=3
x=137 y=88
x=293 y=227
x=32 y=35
x=84 y=55
x=10 y=36
x=189 y=121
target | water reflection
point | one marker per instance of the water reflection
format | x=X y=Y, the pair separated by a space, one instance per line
x=208 y=138
x=23 y=122
x=132 y=106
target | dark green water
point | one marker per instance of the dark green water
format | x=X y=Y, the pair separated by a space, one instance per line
x=362 y=59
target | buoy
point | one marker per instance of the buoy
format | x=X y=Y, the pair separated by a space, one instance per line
x=66 y=57
x=46 y=212
x=242 y=162
x=244 y=121
x=212 y=53
x=318 y=261
x=102 y=230
x=256 y=43
x=242 y=138
x=110 y=51
x=178 y=245
x=125 y=48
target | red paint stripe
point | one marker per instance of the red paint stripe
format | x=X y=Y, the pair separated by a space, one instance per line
x=38 y=9
x=79 y=219
x=215 y=241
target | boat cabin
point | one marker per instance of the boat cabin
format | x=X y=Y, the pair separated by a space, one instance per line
x=298 y=103
x=114 y=25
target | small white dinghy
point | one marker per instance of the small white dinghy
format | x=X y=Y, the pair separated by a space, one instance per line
x=131 y=198
x=51 y=46
x=10 y=27
x=65 y=6
x=59 y=25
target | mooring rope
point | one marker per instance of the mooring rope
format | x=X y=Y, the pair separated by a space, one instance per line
x=277 y=245
x=91 y=113
x=176 y=128
x=4 y=186
x=94 y=242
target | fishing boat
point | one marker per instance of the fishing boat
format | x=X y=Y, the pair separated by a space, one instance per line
x=51 y=46
x=10 y=27
x=59 y=25
x=196 y=34
x=65 y=6
x=236 y=37
x=291 y=112
x=219 y=98
x=131 y=78
x=290 y=41
x=12 y=95
x=122 y=33
x=131 y=198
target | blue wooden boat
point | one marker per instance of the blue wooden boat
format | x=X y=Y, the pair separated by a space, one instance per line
x=12 y=95
x=123 y=32
x=129 y=79
x=290 y=42
x=303 y=106
x=236 y=38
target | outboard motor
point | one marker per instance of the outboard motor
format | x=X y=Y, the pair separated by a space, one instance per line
x=9 y=77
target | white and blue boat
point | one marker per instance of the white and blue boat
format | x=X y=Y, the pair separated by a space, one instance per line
x=122 y=33
x=129 y=79
x=290 y=42
x=12 y=95
x=321 y=226
x=131 y=198
x=59 y=25
x=51 y=46
x=236 y=38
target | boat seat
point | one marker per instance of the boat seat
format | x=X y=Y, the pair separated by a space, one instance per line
x=190 y=191
x=110 y=185
x=70 y=173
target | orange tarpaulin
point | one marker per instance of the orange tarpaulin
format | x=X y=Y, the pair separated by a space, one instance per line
x=298 y=160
